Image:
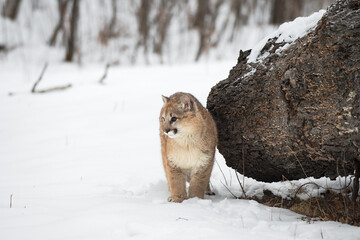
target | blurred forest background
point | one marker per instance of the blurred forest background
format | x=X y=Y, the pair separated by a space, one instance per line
x=141 y=31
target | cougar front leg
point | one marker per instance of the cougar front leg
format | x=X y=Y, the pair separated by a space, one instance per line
x=177 y=185
x=199 y=183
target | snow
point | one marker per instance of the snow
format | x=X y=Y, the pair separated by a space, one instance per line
x=287 y=32
x=85 y=163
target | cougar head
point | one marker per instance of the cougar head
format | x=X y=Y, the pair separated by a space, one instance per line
x=175 y=113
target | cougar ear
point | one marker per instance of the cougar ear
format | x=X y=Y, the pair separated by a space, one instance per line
x=186 y=103
x=165 y=99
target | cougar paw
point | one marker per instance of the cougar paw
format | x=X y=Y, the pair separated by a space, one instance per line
x=175 y=199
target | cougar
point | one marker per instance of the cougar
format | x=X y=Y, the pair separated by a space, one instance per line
x=188 y=140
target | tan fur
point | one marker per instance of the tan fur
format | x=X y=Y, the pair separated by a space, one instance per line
x=187 y=145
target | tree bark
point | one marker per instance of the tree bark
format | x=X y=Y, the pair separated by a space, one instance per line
x=163 y=21
x=62 y=7
x=286 y=10
x=205 y=21
x=11 y=9
x=296 y=113
x=110 y=30
x=143 y=22
x=72 y=41
x=356 y=179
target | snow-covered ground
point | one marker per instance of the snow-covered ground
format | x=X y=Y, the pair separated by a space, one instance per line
x=85 y=163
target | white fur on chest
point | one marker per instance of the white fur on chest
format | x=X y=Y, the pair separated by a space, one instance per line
x=188 y=158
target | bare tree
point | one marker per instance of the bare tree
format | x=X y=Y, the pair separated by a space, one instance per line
x=11 y=9
x=143 y=20
x=236 y=8
x=163 y=20
x=142 y=15
x=72 y=40
x=285 y=10
x=62 y=8
x=110 y=30
x=205 y=20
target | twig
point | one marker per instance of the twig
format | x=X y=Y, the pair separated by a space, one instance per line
x=107 y=66
x=101 y=81
x=229 y=191
x=54 y=89
x=356 y=180
x=242 y=188
x=33 y=90
x=222 y=172
x=230 y=177
x=243 y=168
x=321 y=233
x=281 y=207
x=292 y=151
x=319 y=186
x=11 y=200
x=243 y=159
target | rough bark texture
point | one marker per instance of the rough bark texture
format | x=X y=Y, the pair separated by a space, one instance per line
x=163 y=19
x=205 y=21
x=72 y=41
x=143 y=15
x=11 y=9
x=62 y=7
x=285 y=10
x=298 y=114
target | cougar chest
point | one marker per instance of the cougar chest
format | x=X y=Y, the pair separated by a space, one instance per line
x=187 y=156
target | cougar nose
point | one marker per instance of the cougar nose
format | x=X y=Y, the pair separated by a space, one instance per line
x=167 y=130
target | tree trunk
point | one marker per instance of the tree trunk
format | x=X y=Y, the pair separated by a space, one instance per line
x=286 y=10
x=11 y=9
x=296 y=112
x=72 y=41
x=163 y=21
x=143 y=22
x=205 y=21
x=110 y=30
x=62 y=7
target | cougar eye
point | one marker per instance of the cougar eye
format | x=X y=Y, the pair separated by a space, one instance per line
x=173 y=119
x=163 y=119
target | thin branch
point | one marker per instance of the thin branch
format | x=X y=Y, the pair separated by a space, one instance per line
x=356 y=180
x=33 y=90
x=302 y=168
x=62 y=8
x=11 y=200
x=222 y=172
x=101 y=81
x=54 y=89
x=319 y=186
x=229 y=191
x=243 y=158
x=242 y=188
x=107 y=66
